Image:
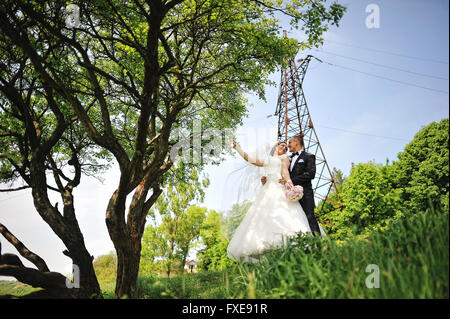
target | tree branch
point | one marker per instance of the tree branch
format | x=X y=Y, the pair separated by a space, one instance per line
x=23 y=251
x=35 y=278
x=14 y=189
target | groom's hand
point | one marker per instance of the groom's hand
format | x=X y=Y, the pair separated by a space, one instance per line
x=263 y=180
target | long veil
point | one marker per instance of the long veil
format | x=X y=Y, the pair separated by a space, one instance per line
x=246 y=178
x=243 y=183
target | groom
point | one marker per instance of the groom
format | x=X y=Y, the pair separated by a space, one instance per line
x=302 y=170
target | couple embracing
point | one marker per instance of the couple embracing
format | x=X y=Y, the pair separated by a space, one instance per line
x=272 y=217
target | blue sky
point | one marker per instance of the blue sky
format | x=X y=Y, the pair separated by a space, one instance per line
x=358 y=118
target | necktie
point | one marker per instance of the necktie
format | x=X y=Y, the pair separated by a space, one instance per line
x=293 y=154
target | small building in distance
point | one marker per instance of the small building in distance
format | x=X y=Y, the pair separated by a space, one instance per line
x=191 y=265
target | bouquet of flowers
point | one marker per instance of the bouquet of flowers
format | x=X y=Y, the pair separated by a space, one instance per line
x=295 y=193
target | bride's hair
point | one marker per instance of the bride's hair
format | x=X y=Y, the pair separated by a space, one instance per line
x=274 y=148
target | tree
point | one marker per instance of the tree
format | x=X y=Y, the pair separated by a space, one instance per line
x=338 y=177
x=133 y=72
x=190 y=231
x=370 y=199
x=422 y=169
x=172 y=237
x=374 y=194
x=213 y=255
x=156 y=255
x=234 y=217
x=333 y=204
x=43 y=149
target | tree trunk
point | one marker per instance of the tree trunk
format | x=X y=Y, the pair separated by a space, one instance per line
x=128 y=249
x=67 y=229
x=127 y=236
x=126 y=280
x=183 y=262
x=89 y=286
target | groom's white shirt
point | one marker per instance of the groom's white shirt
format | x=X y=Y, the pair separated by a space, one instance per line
x=294 y=159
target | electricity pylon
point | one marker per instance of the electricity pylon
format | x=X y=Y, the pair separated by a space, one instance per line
x=294 y=119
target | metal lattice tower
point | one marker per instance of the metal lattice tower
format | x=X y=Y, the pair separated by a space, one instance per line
x=294 y=119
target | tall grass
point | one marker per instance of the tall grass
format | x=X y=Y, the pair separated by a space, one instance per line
x=208 y=284
x=412 y=257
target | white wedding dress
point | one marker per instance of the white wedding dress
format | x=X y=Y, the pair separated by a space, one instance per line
x=269 y=220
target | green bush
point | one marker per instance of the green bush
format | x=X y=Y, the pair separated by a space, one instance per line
x=422 y=169
x=374 y=195
x=370 y=202
x=105 y=267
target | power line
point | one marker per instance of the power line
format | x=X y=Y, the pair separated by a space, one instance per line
x=383 y=65
x=386 y=78
x=361 y=133
x=391 y=53
x=357 y=133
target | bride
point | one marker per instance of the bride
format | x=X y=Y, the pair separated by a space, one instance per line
x=271 y=218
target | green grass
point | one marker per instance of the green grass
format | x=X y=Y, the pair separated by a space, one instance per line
x=191 y=285
x=15 y=288
x=412 y=256
x=216 y=285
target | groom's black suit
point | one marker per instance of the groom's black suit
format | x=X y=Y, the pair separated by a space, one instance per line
x=302 y=174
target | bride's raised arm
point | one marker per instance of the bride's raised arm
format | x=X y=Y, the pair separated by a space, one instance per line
x=251 y=159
